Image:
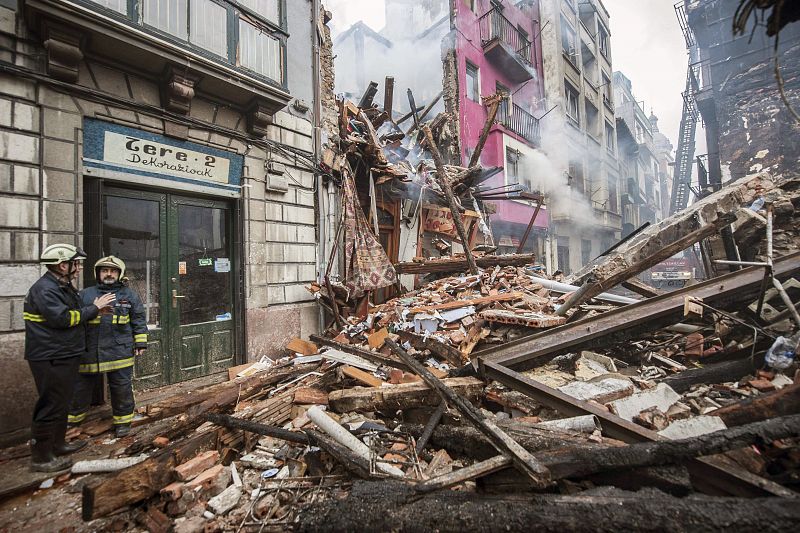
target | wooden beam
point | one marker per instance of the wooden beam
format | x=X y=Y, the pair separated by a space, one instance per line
x=781 y=402
x=459 y=264
x=627 y=322
x=592 y=289
x=444 y=183
x=388 y=96
x=141 y=481
x=494 y=104
x=635 y=285
x=371 y=356
x=709 y=474
x=523 y=460
x=430 y=426
x=449 y=353
x=402 y=396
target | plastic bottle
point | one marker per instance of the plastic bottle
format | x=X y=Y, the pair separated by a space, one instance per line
x=782 y=353
x=757 y=204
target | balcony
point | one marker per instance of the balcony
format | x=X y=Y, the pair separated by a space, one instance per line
x=520 y=122
x=506 y=46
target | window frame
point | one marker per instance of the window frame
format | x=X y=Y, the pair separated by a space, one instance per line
x=476 y=85
x=234 y=11
x=603 y=40
x=569 y=88
x=572 y=57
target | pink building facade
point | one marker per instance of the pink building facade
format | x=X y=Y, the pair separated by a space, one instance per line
x=497 y=48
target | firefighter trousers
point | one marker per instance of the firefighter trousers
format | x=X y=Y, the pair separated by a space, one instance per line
x=120 y=384
x=55 y=380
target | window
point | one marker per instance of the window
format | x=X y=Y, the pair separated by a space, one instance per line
x=640 y=137
x=571 y=102
x=169 y=16
x=592 y=120
x=610 y=138
x=259 y=51
x=246 y=33
x=575 y=174
x=473 y=83
x=602 y=41
x=562 y=251
x=269 y=9
x=607 y=90
x=570 y=4
x=613 y=206
x=569 y=42
x=512 y=166
x=120 y=6
x=589 y=64
x=586 y=251
x=208 y=28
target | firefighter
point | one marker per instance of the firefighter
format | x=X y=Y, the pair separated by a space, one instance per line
x=55 y=339
x=114 y=338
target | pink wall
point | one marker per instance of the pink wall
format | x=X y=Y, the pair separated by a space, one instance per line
x=473 y=114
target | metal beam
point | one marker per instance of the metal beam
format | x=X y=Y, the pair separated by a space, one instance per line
x=708 y=474
x=632 y=320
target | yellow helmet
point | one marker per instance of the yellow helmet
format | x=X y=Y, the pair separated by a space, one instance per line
x=61 y=253
x=109 y=262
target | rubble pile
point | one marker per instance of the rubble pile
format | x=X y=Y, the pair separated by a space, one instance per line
x=392 y=397
x=463 y=312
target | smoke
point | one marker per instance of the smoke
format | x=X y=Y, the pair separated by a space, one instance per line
x=547 y=171
x=414 y=63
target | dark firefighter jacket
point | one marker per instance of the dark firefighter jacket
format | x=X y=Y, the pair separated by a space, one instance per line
x=55 y=320
x=112 y=336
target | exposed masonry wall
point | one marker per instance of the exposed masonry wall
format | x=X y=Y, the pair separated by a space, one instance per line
x=756 y=130
x=41 y=186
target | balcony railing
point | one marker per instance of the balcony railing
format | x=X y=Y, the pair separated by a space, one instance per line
x=495 y=26
x=520 y=122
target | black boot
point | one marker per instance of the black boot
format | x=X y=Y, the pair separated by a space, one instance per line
x=60 y=446
x=121 y=430
x=42 y=457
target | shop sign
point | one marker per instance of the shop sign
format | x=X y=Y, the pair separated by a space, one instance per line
x=110 y=150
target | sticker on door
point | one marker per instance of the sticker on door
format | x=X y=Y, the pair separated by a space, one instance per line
x=222 y=264
x=182 y=267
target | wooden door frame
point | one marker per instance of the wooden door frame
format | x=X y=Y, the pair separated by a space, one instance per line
x=94 y=189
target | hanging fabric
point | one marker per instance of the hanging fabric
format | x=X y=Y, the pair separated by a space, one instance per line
x=367 y=267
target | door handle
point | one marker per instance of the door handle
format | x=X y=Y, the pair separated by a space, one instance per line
x=175 y=297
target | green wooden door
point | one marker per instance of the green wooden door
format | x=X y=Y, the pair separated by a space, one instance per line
x=179 y=257
x=200 y=286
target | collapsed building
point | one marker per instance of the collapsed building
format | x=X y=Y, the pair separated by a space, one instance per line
x=473 y=390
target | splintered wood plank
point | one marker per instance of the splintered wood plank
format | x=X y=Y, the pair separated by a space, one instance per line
x=364 y=377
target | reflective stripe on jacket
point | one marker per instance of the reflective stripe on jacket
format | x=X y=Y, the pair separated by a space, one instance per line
x=113 y=336
x=55 y=320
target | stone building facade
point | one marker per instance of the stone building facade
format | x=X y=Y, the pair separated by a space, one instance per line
x=579 y=133
x=184 y=143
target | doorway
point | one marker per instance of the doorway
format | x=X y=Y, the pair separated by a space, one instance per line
x=180 y=257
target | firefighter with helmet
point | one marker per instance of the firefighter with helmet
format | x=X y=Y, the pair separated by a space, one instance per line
x=55 y=339
x=114 y=338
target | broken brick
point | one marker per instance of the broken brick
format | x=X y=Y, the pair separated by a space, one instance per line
x=196 y=465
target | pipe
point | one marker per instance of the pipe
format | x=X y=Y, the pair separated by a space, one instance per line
x=580 y=424
x=106 y=465
x=345 y=438
x=556 y=286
